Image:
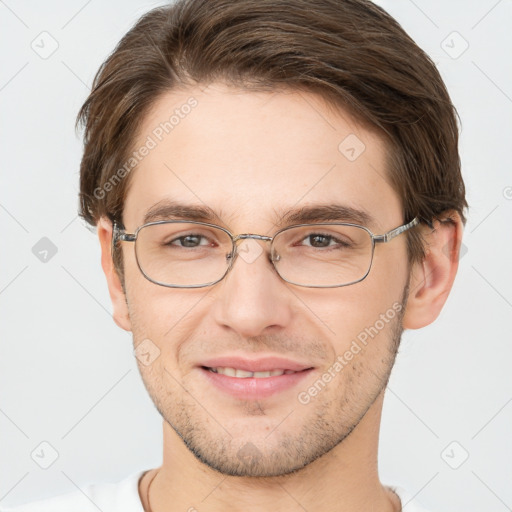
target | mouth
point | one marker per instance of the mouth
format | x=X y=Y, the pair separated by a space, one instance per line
x=244 y=374
x=254 y=379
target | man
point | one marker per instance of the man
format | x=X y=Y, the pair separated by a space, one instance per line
x=277 y=192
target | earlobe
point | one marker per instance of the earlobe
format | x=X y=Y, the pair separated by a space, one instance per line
x=117 y=295
x=432 y=279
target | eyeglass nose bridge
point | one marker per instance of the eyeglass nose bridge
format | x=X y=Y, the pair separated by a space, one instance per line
x=245 y=236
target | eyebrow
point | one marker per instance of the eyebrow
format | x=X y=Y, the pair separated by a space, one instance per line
x=167 y=210
x=332 y=212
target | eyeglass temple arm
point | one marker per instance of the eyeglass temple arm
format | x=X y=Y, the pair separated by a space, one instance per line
x=118 y=234
x=395 y=232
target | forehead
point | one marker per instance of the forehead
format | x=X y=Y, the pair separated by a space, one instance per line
x=252 y=156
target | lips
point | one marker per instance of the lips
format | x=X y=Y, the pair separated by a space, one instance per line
x=254 y=379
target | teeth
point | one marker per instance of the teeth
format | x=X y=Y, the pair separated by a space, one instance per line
x=243 y=374
x=238 y=373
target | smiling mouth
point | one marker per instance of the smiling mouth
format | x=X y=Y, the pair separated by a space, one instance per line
x=244 y=374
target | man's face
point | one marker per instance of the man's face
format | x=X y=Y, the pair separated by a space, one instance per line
x=248 y=156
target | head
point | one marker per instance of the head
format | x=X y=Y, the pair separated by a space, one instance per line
x=250 y=112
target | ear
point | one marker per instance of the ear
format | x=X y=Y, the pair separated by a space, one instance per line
x=432 y=278
x=117 y=294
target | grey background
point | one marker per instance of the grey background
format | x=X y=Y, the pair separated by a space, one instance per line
x=67 y=373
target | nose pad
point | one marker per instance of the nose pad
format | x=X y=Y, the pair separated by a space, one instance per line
x=231 y=258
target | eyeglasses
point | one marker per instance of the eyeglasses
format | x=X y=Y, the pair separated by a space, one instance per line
x=181 y=254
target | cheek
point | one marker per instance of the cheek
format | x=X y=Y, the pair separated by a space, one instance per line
x=167 y=317
x=148 y=302
x=390 y=267
x=370 y=306
x=355 y=316
x=147 y=310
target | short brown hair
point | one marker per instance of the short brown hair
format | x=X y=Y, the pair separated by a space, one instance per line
x=350 y=52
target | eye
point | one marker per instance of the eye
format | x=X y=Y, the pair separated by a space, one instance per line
x=179 y=238
x=318 y=240
x=189 y=241
x=323 y=240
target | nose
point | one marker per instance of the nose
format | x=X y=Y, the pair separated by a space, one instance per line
x=252 y=297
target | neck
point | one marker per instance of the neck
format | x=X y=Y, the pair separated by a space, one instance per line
x=344 y=479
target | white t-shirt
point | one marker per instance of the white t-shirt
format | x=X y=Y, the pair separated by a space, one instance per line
x=124 y=497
